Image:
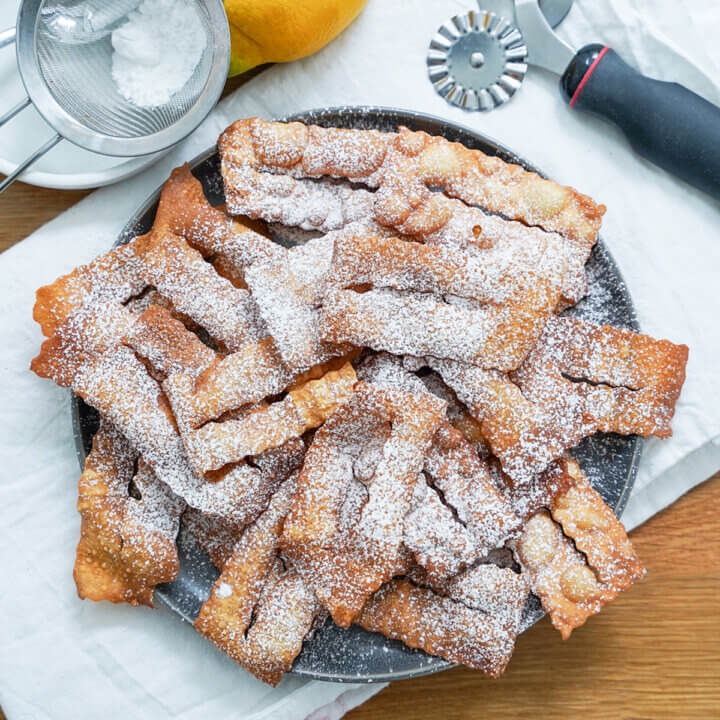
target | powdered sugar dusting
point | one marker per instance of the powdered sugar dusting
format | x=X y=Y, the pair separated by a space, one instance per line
x=452 y=507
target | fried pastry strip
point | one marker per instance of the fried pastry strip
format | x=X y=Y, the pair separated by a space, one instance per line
x=499 y=277
x=559 y=575
x=218 y=536
x=164 y=261
x=575 y=579
x=179 y=273
x=403 y=166
x=287 y=294
x=286 y=614
x=628 y=382
x=184 y=210
x=115 y=277
x=439 y=626
x=237 y=590
x=216 y=444
x=500 y=187
x=248 y=375
x=486 y=237
x=319 y=207
x=91 y=331
x=150 y=526
x=285 y=283
x=127 y=546
x=492 y=239
x=215 y=536
x=257 y=613
x=445 y=538
x=580 y=378
x=458 y=515
x=344 y=532
x=458 y=415
x=497 y=591
x=437 y=541
x=595 y=530
x=119 y=385
x=418 y=324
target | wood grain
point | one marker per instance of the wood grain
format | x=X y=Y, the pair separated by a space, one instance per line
x=655 y=653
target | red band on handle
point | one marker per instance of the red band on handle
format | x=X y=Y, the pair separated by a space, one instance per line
x=587 y=75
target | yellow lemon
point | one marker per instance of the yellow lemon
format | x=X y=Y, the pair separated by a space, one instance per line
x=283 y=30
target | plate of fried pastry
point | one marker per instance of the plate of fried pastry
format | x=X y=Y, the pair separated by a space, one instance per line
x=360 y=394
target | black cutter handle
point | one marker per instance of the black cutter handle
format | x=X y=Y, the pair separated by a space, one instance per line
x=665 y=122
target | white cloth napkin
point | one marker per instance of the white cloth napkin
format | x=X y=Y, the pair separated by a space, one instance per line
x=62 y=658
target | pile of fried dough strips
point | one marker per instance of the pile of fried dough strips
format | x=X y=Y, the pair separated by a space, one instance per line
x=369 y=418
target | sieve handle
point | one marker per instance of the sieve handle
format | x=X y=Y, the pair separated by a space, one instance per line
x=7 y=36
x=10 y=114
x=10 y=179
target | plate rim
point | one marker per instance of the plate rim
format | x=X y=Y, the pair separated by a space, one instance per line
x=152 y=199
x=82 y=180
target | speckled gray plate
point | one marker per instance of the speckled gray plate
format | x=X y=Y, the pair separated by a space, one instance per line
x=610 y=461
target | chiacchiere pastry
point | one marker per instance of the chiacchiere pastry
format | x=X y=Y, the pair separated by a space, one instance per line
x=372 y=423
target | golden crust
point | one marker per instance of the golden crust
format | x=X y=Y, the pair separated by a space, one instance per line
x=282 y=280
x=217 y=444
x=596 y=532
x=403 y=166
x=284 y=617
x=115 y=276
x=256 y=613
x=404 y=265
x=579 y=379
x=184 y=210
x=559 y=575
x=346 y=559
x=246 y=376
x=576 y=572
x=439 y=626
x=246 y=570
x=497 y=591
x=406 y=311
x=181 y=274
x=420 y=324
x=126 y=546
x=91 y=331
x=472 y=518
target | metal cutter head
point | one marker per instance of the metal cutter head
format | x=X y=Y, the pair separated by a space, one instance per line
x=477 y=60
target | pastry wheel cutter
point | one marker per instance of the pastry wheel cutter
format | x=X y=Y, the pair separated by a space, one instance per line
x=478 y=60
x=664 y=122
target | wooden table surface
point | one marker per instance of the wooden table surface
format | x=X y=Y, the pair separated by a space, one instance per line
x=654 y=653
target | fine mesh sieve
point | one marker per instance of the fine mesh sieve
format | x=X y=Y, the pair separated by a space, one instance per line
x=68 y=78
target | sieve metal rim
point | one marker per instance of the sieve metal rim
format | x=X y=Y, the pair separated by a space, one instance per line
x=75 y=132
